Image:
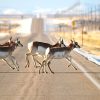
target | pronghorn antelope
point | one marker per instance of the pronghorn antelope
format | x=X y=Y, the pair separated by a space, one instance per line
x=58 y=53
x=38 y=48
x=7 y=49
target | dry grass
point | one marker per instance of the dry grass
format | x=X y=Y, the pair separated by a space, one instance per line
x=91 y=40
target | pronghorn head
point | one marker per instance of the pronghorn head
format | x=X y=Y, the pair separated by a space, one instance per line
x=75 y=44
x=18 y=43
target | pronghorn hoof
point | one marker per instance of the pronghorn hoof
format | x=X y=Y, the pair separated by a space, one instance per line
x=75 y=68
x=13 y=68
x=37 y=66
x=68 y=65
x=25 y=66
x=46 y=72
x=39 y=72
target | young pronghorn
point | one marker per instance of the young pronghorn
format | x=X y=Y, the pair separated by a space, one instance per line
x=7 y=49
x=58 y=53
x=38 y=48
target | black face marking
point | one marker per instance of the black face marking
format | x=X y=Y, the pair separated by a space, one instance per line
x=76 y=45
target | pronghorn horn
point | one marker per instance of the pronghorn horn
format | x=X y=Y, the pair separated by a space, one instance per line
x=17 y=38
x=61 y=39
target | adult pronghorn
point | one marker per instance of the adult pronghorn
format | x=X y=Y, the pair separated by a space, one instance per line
x=58 y=53
x=38 y=48
x=7 y=49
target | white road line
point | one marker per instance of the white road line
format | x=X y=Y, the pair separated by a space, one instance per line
x=86 y=74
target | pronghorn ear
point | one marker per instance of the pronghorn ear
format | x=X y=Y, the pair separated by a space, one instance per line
x=17 y=38
x=72 y=41
x=61 y=39
x=10 y=38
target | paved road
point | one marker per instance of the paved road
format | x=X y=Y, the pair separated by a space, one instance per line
x=65 y=84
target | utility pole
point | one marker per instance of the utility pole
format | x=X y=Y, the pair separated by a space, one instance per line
x=9 y=28
x=91 y=19
x=95 y=18
x=98 y=18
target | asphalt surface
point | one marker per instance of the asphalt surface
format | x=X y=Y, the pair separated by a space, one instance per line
x=65 y=84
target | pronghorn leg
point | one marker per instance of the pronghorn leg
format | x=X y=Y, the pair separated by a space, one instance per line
x=42 y=66
x=49 y=67
x=35 y=60
x=15 y=63
x=69 y=59
x=71 y=62
x=8 y=64
x=27 y=60
x=49 y=59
